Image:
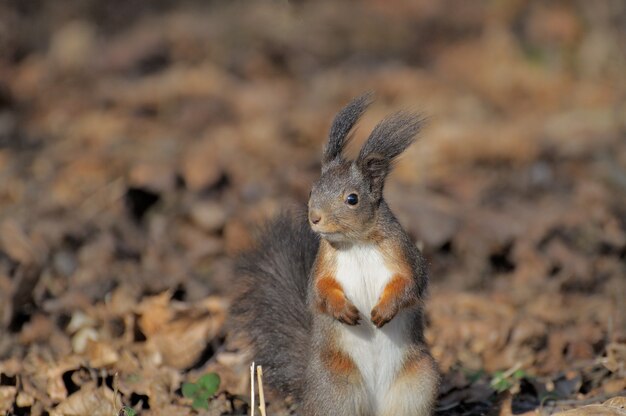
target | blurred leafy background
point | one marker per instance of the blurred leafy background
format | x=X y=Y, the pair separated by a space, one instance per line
x=141 y=143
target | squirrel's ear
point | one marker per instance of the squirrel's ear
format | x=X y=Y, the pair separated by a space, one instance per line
x=343 y=123
x=388 y=140
x=374 y=167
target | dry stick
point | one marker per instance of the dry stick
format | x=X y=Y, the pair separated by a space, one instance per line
x=259 y=373
x=252 y=389
x=115 y=391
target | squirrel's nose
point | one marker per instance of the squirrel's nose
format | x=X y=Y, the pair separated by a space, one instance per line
x=315 y=216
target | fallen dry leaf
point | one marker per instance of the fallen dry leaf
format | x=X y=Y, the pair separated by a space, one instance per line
x=89 y=400
x=613 y=406
x=7 y=397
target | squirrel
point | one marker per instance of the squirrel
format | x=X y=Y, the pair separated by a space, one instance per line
x=333 y=300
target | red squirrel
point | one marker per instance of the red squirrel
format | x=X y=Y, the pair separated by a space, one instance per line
x=334 y=305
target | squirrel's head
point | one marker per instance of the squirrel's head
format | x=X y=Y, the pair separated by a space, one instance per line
x=345 y=201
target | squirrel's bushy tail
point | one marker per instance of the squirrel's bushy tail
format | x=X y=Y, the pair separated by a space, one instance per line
x=272 y=307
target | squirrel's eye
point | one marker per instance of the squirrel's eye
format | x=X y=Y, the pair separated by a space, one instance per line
x=352 y=199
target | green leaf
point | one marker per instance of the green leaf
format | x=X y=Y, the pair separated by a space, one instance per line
x=499 y=382
x=202 y=390
x=209 y=382
x=502 y=385
x=203 y=394
x=200 y=403
x=519 y=374
x=190 y=390
x=129 y=411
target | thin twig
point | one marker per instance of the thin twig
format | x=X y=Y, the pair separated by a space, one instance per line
x=259 y=373
x=252 y=389
x=115 y=391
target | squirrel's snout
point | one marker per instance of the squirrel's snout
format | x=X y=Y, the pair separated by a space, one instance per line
x=315 y=216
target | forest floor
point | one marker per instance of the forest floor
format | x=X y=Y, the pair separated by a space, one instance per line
x=140 y=149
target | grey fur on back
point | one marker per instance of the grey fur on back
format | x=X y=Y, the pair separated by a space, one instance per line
x=272 y=308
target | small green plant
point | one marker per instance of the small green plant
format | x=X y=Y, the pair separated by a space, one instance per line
x=474 y=375
x=203 y=389
x=128 y=411
x=506 y=380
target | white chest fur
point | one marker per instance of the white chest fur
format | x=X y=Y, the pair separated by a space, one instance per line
x=378 y=353
x=362 y=273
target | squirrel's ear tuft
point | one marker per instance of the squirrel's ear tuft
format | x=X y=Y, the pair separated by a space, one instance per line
x=388 y=140
x=343 y=123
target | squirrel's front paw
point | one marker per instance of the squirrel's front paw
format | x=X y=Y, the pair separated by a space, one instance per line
x=346 y=313
x=383 y=313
